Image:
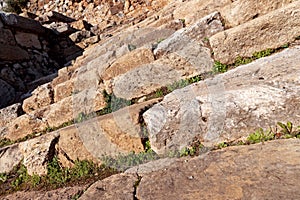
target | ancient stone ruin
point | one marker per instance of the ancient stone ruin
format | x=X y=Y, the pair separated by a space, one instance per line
x=30 y=56
x=150 y=100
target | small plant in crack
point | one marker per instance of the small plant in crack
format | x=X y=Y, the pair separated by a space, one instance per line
x=177 y=85
x=222 y=145
x=285 y=45
x=263 y=53
x=159 y=93
x=242 y=61
x=205 y=39
x=123 y=162
x=131 y=47
x=219 y=67
x=288 y=130
x=3 y=177
x=260 y=136
x=135 y=186
x=160 y=40
x=194 y=149
x=5 y=142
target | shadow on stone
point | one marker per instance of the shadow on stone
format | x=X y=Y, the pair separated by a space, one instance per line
x=31 y=55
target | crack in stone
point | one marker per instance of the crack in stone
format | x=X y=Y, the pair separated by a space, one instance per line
x=136 y=184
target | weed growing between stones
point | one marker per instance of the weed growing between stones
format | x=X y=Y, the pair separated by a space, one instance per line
x=222 y=145
x=182 y=21
x=87 y=172
x=260 y=136
x=221 y=68
x=194 y=149
x=174 y=86
x=23 y=177
x=177 y=85
x=160 y=40
x=123 y=162
x=281 y=131
x=285 y=131
x=83 y=172
x=5 y=142
x=3 y=177
x=113 y=104
x=76 y=196
x=159 y=93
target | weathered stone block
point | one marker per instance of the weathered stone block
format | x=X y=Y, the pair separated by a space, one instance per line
x=170 y=68
x=28 y=40
x=13 y=53
x=41 y=97
x=23 y=126
x=6 y=37
x=10 y=156
x=230 y=106
x=127 y=62
x=22 y=23
x=196 y=33
x=36 y=153
x=272 y=30
x=243 y=172
x=64 y=90
x=241 y=11
x=10 y=113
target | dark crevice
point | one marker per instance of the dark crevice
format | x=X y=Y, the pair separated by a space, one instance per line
x=144 y=134
x=51 y=94
x=255 y=16
x=136 y=184
x=52 y=151
x=67 y=157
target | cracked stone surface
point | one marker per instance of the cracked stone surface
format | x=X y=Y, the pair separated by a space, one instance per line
x=114 y=187
x=230 y=105
x=269 y=170
x=272 y=30
x=58 y=194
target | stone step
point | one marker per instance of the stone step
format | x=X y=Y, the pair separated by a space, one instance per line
x=60 y=193
x=108 y=135
x=225 y=12
x=230 y=105
x=241 y=172
x=132 y=75
x=272 y=30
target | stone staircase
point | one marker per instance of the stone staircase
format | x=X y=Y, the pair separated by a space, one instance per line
x=140 y=79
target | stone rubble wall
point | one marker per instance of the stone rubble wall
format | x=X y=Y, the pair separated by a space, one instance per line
x=29 y=55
